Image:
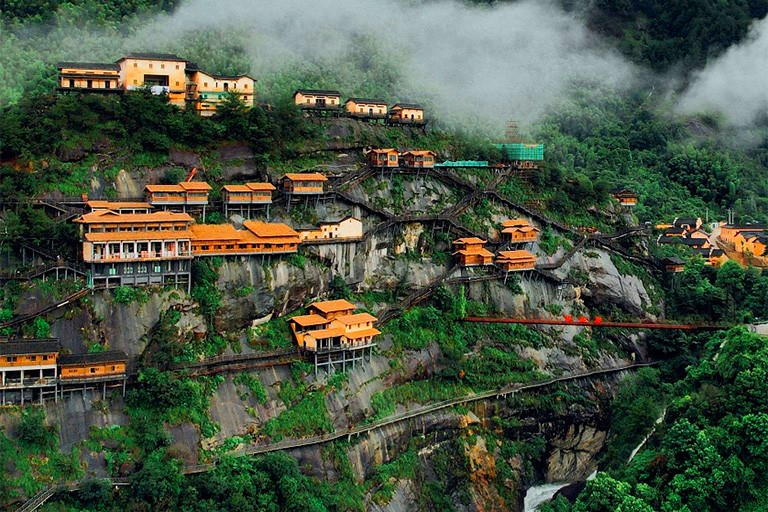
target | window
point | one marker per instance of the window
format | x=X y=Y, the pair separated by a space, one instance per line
x=177 y=83
x=162 y=66
x=107 y=83
x=150 y=65
x=205 y=84
x=90 y=84
x=71 y=83
x=177 y=66
x=11 y=359
x=113 y=366
x=135 y=81
x=93 y=370
x=135 y=64
x=45 y=358
x=245 y=86
x=226 y=86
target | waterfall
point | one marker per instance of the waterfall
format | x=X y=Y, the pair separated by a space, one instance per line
x=647 y=437
x=539 y=494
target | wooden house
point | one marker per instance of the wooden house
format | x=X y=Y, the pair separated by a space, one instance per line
x=406 y=113
x=519 y=231
x=471 y=252
x=28 y=370
x=80 y=372
x=305 y=183
x=89 y=77
x=258 y=238
x=243 y=199
x=187 y=194
x=317 y=99
x=366 y=108
x=418 y=159
x=334 y=335
x=625 y=197
x=515 y=261
x=673 y=265
x=138 y=248
x=383 y=158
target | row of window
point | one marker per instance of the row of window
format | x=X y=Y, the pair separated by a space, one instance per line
x=232 y=247
x=151 y=65
x=111 y=228
x=14 y=359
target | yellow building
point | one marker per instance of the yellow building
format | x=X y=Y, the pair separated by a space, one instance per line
x=317 y=99
x=348 y=228
x=303 y=183
x=163 y=73
x=89 y=76
x=386 y=157
x=205 y=91
x=406 y=113
x=366 y=108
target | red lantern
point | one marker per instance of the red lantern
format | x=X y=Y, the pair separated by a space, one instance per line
x=598 y=320
x=582 y=319
x=568 y=318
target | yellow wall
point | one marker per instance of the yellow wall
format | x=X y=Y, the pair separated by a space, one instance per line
x=406 y=113
x=311 y=99
x=364 y=108
x=99 y=370
x=210 y=90
x=27 y=360
x=98 y=77
x=132 y=71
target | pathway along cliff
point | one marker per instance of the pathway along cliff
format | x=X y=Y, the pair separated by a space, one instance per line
x=41 y=497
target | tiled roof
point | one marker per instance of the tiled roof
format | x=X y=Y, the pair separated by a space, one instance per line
x=109 y=356
x=475 y=252
x=269 y=229
x=309 y=320
x=164 y=188
x=127 y=236
x=89 y=65
x=357 y=318
x=515 y=255
x=331 y=306
x=672 y=261
x=236 y=188
x=419 y=152
x=260 y=186
x=682 y=221
x=362 y=333
x=195 y=185
x=153 y=56
x=322 y=92
x=214 y=232
x=469 y=240
x=513 y=223
x=407 y=105
x=11 y=348
x=674 y=231
x=322 y=334
x=117 y=205
x=111 y=217
x=344 y=219
x=366 y=100
x=305 y=176
x=523 y=229
x=384 y=150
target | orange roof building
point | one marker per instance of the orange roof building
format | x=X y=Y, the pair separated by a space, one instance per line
x=335 y=335
x=406 y=113
x=383 y=158
x=515 y=261
x=625 y=197
x=418 y=159
x=258 y=238
x=120 y=206
x=303 y=183
x=137 y=248
x=519 y=231
x=243 y=198
x=186 y=194
x=471 y=252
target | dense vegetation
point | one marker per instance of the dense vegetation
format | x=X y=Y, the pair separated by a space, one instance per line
x=710 y=454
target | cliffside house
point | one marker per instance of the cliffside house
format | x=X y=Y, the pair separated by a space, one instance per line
x=258 y=238
x=334 y=335
x=28 y=370
x=383 y=158
x=519 y=231
x=137 y=249
x=625 y=197
x=418 y=159
x=406 y=113
x=192 y=195
x=348 y=228
x=471 y=252
x=243 y=199
x=318 y=99
x=673 y=264
x=366 y=108
x=79 y=372
x=515 y=261
x=119 y=206
x=163 y=73
x=304 y=183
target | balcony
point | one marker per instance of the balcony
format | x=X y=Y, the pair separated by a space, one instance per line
x=28 y=383
x=139 y=256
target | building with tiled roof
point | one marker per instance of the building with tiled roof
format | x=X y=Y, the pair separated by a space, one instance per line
x=406 y=113
x=137 y=248
x=471 y=252
x=383 y=158
x=258 y=238
x=304 y=183
x=366 y=108
x=346 y=229
x=418 y=159
x=334 y=334
x=317 y=99
x=28 y=370
x=625 y=196
x=119 y=206
x=515 y=261
x=519 y=231
x=244 y=199
x=183 y=196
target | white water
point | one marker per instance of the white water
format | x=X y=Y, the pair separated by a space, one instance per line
x=537 y=495
x=646 y=438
